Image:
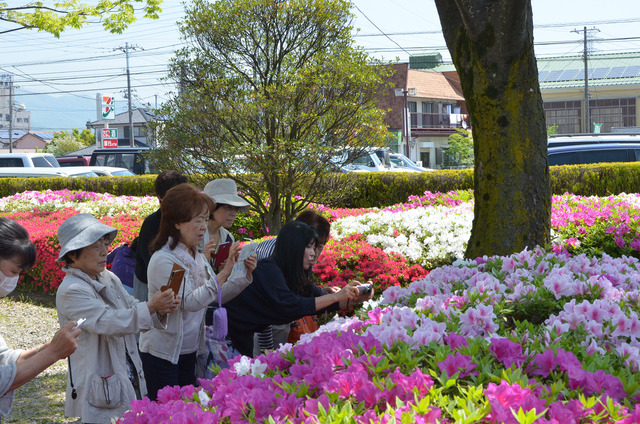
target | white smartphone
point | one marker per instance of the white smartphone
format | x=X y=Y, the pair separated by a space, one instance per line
x=79 y=323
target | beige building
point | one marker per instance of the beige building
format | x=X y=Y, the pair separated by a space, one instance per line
x=612 y=87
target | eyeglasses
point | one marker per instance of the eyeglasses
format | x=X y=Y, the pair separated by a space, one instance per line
x=230 y=208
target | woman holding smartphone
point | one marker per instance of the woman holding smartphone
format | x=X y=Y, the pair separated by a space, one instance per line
x=282 y=290
x=169 y=355
x=105 y=372
x=224 y=193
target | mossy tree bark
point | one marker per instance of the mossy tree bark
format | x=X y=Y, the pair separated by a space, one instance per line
x=491 y=43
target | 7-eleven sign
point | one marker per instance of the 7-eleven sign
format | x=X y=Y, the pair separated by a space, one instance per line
x=108 y=108
x=109 y=137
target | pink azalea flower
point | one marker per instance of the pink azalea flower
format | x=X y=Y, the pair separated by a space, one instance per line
x=458 y=363
x=507 y=352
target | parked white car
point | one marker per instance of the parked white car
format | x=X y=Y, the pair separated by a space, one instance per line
x=102 y=171
x=28 y=160
x=27 y=172
x=401 y=161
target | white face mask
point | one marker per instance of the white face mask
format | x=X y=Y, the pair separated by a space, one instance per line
x=7 y=284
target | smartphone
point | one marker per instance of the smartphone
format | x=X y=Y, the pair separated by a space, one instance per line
x=79 y=323
x=222 y=253
x=175 y=279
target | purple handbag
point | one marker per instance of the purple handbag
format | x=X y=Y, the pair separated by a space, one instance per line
x=215 y=336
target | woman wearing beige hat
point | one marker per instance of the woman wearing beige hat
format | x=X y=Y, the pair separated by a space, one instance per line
x=228 y=205
x=105 y=372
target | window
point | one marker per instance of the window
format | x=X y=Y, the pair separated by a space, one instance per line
x=40 y=162
x=613 y=113
x=595 y=156
x=413 y=111
x=26 y=119
x=11 y=162
x=566 y=115
x=19 y=120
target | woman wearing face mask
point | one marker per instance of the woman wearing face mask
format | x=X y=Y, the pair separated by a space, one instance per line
x=17 y=367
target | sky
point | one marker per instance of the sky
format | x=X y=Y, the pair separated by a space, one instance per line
x=82 y=63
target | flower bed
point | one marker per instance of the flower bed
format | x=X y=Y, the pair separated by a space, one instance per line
x=546 y=336
x=453 y=347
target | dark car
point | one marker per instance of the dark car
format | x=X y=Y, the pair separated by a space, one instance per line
x=132 y=158
x=594 y=153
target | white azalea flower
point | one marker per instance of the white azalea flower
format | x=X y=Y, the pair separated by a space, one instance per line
x=243 y=366
x=204 y=398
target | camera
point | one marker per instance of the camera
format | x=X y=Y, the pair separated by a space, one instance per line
x=364 y=289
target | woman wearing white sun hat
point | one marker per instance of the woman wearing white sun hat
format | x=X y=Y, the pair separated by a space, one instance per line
x=228 y=205
x=105 y=372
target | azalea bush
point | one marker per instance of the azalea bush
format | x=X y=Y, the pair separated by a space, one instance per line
x=354 y=259
x=46 y=275
x=429 y=236
x=597 y=225
x=452 y=347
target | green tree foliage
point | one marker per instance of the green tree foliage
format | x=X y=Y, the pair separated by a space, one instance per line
x=552 y=129
x=85 y=136
x=62 y=143
x=270 y=92
x=491 y=44
x=55 y=17
x=460 y=151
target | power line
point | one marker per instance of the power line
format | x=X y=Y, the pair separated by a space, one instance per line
x=378 y=28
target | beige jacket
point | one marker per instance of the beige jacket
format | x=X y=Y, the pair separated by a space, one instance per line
x=98 y=366
x=167 y=343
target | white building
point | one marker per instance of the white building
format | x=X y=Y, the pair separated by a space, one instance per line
x=21 y=117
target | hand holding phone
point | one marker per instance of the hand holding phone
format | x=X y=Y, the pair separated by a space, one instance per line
x=175 y=279
x=79 y=324
x=222 y=253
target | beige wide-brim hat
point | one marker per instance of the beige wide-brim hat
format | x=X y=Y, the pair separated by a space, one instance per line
x=225 y=191
x=80 y=231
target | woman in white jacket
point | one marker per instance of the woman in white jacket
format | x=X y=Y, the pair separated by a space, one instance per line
x=169 y=355
x=105 y=372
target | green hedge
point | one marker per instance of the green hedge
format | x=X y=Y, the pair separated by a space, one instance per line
x=139 y=185
x=601 y=179
x=372 y=188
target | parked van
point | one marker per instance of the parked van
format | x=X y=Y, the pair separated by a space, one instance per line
x=28 y=160
x=132 y=158
x=594 y=153
x=575 y=139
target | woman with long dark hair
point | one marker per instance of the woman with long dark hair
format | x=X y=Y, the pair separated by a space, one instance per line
x=282 y=290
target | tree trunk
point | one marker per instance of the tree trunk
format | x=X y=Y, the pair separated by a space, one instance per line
x=491 y=44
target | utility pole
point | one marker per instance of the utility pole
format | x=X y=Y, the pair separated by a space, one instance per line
x=126 y=50
x=10 y=114
x=587 y=120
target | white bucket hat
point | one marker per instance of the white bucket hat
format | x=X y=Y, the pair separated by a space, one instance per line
x=225 y=191
x=80 y=231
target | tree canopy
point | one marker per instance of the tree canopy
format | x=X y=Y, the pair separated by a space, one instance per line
x=274 y=95
x=55 y=17
x=64 y=142
x=491 y=44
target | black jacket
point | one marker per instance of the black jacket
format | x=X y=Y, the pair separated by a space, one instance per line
x=266 y=301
